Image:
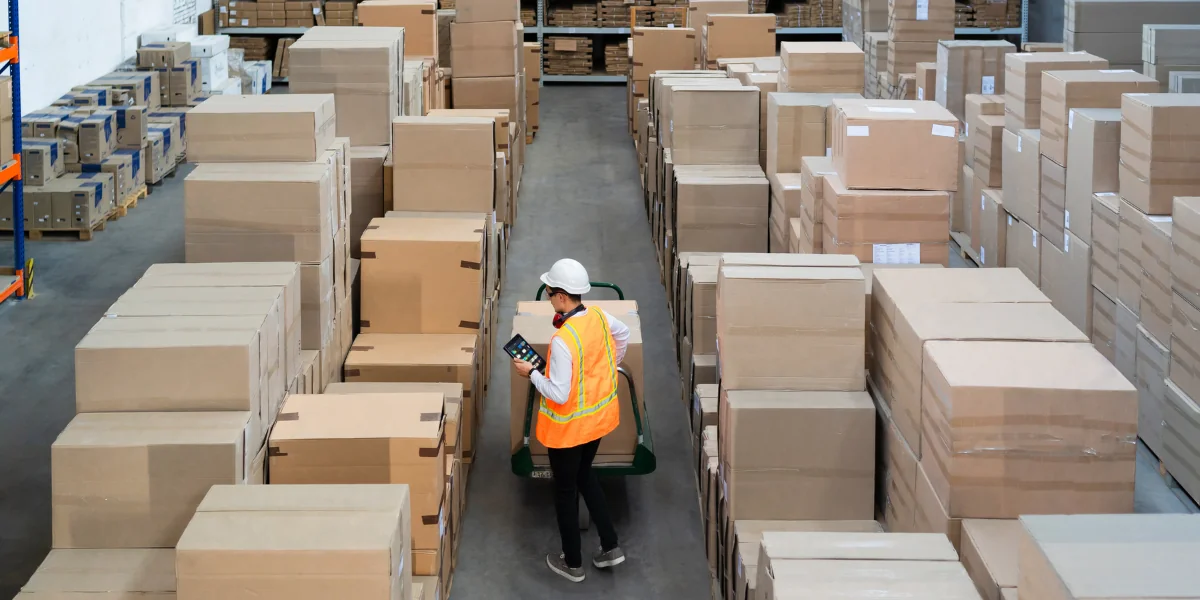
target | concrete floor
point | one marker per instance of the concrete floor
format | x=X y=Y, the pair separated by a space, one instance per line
x=579 y=198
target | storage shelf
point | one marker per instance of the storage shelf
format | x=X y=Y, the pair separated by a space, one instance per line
x=808 y=31
x=586 y=30
x=986 y=31
x=583 y=78
x=263 y=30
x=780 y=31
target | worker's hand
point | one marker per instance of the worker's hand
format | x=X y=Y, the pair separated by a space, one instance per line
x=524 y=368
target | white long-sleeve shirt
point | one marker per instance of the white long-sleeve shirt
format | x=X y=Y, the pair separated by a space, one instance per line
x=557 y=387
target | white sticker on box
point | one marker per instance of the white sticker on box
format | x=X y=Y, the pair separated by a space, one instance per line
x=982 y=202
x=1116 y=70
x=245 y=22
x=922 y=10
x=989 y=85
x=982 y=255
x=858 y=130
x=1010 y=220
x=896 y=254
x=316 y=10
x=944 y=130
x=670 y=26
x=1035 y=234
x=920 y=93
x=891 y=109
x=1066 y=242
x=828 y=152
x=1018 y=143
x=967 y=126
x=1071 y=119
x=1067 y=219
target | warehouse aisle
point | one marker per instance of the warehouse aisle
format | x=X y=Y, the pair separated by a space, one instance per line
x=580 y=198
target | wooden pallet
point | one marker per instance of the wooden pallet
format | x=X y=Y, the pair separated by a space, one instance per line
x=169 y=174
x=965 y=250
x=130 y=201
x=83 y=234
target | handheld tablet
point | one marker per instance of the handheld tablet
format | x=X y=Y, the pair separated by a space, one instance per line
x=520 y=349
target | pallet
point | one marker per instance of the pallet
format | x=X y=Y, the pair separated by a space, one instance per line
x=965 y=250
x=130 y=201
x=1172 y=484
x=83 y=234
x=169 y=174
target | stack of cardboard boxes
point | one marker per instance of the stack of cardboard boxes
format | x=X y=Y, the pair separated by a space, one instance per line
x=736 y=36
x=178 y=73
x=1113 y=30
x=914 y=29
x=422 y=40
x=488 y=51
x=654 y=49
x=1167 y=49
x=533 y=88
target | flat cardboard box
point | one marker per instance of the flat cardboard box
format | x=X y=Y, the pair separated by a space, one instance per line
x=1125 y=342
x=969 y=67
x=1159 y=150
x=292 y=541
x=1153 y=363
x=441 y=293
x=1104 y=325
x=260 y=212
x=771 y=463
x=1023 y=82
x=1093 y=151
x=989 y=553
x=737 y=36
x=1022 y=193
x=1184 y=341
x=1052 y=219
x=370 y=438
x=417 y=17
x=269 y=128
x=884 y=226
x=1109 y=556
x=479 y=11
x=856 y=578
x=485 y=49
x=1105 y=241
x=488 y=92
x=1063 y=91
x=798 y=125
x=993 y=230
x=117 y=574
x=1181 y=430
x=721 y=214
x=714 y=126
x=963 y=377
x=1185 y=251
x=895 y=144
x=743 y=543
x=821 y=67
x=1130 y=256
x=875 y=546
x=1156 y=276
x=443 y=164
x=817 y=349
x=159 y=466
x=362 y=75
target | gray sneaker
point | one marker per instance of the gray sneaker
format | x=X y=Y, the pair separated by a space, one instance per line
x=612 y=558
x=558 y=564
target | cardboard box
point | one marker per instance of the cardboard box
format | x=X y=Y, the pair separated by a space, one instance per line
x=455 y=419
x=926 y=80
x=1052 y=220
x=769 y=445
x=969 y=67
x=918 y=21
x=41 y=161
x=269 y=128
x=444 y=164
x=868 y=137
x=813 y=170
x=883 y=226
x=714 y=126
x=1104 y=326
x=697 y=17
x=417 y=17
x=1153 y=363
x=897 y=464
x=1125 y=342
x=863 y=577
x=989 y=553
x=786 y=206
x=1105 y=228
x=1067 y=279
x=1184 y=341
x=485 y=49
x=1023 y=82
x=163 y=55
x=737 y=36
x=993 y=230
x=721 y=214
x=488 y=92
x=1092 y=150
x=1130 y=256
x=243 y=538
x=797 y=126
x=368 y=201
x=130 y=573
x=160 y=466
x=479 y=11
x=235 y=212
x=656 y=49
x=363 y=75
x=743 y=546
x=1156 y=276
x=1185 y=252
x=1063 y=91
x=1022 y=180
x=1158 y=156
x=903 y=56
x=90 y=195
x=1180 y=416
x=441 y=294
x=966 y=373
x=987 y=149
x=821 y=67
x=817 y=349
x=1143 y=555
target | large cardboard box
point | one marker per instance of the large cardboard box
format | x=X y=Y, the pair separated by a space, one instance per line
x=885 y=226
x=133 y=480
x=798 y=126
x=850 y=578
x=443 y=164
x=771 y=462
x=1093 y=151
x=479 y=11
x=1159 y=150
x=654 y=49
x=921 y=21
x=714 y=126
x=293 y=541
x=260 y=212
x=1153 y=363
x=488 y=92
x=1109 y=556
x=1066 y=275
x=484 y=49
x=969 y=67
x=744 y=539
x=1063 y=91
x=1023 y=82
x=1023 y=178
x=895 y=144
x=721 y=214
x=821 y=67
x=1130 y=257
x=989 y=553
x=993 y=230
x=362 y=75
x=1156 y=276
x=367 y=198
x=737 y=36
x=1181 y=431
x=261 y=128
x=1104 y=325
x=764 y=345
x=121 y=573
x=1185 y=249
x=369 y=438
x=442 y=293
x=699 y=10
x=1105 y=242
x=1055 y=379
x=452 y=393
x=787 y=198
x=536 y=327
x=1052 y=219
x=417 y=17
x=985 y=148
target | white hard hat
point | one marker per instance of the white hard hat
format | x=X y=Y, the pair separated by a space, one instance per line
x=568 y=275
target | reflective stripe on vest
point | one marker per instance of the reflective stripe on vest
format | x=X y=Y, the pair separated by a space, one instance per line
x=583 y=411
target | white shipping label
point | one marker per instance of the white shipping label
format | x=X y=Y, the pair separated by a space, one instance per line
x=670 y=26
x=896 y=254
x=1067 y=219
x=1035 y=234
x=859 y=130
x=245 y=22
x=944 y=131
x=316 y=10
x=967 y=126
x=1010 y=220
x=828 y=152
x=922 y=10
x=982 y=255
x=989 y=85
x=920 y=93
x=1071 y=119
x=1018 y=143
x=982 y=202
x=891 y=109
x=1160 y=219
x=1116 y=70
x=1066 y=242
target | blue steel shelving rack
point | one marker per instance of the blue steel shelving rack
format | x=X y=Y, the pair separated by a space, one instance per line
x=10 y=174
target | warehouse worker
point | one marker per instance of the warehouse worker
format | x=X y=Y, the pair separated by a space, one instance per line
x=579 y=406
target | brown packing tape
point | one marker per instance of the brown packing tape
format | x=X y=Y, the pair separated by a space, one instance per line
x=428 y=12
x=429 y=452
x=474 y=266
x=274 y=451
x=429 y=519
x=362 y=323
x=362 y=348
x=366 y=255
x=289 y=416
x=427 y=417
x=351 y=373
x=468 y=325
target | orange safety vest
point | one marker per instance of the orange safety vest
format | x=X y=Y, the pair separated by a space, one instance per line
x=592 y=411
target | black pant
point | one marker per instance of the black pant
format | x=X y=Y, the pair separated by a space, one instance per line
x=573 y=476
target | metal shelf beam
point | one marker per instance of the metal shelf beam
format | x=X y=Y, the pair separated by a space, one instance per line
x=10 y=176
x=583 y=78
x=263 y=30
